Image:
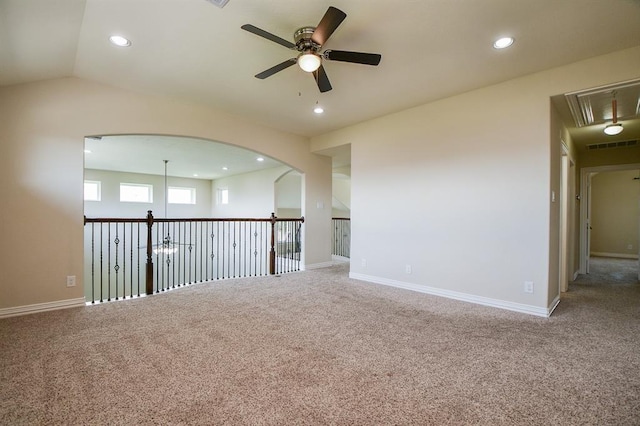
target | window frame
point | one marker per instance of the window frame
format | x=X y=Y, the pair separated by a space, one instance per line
x=98 y=185
x=192 y=195
x=138 y=185
x=222 y=197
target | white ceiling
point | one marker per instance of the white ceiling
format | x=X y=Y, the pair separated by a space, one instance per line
x=194 y=51
x=187 y=157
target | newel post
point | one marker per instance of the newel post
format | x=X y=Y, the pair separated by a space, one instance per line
x=149 y=265
x=272 y=252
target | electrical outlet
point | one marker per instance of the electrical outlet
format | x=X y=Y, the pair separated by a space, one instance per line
x=364 y=263
x=71 y=281
x=630 y=247
x=407 y=269
x=528 y=286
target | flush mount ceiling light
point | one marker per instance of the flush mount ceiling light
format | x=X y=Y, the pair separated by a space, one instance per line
x=318 y=109
x=503 y=43
x=309 y=61
x=119 y=41
x=614 y=128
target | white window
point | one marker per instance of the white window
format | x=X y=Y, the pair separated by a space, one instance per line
x=136 y=193
x=223 y=196
x=180 y=195
x=92 y=190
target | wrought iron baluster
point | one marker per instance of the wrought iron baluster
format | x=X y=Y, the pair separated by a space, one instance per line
x=116 y=267
x=93 y=262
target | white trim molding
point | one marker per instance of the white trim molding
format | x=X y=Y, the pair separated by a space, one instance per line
x=614 y=255
x=42 y=307
x=464 y=297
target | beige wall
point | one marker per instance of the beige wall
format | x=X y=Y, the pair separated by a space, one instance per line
x=610 y=157
x=288 y=189
x=42 y=130
x=463 y=194
x=250 y=194
x=615 y=213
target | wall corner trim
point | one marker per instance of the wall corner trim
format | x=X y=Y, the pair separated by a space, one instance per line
x=42 y=307
x=553 y=306
x=464 y=297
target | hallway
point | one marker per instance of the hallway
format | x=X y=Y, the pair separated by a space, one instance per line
x=609 y=271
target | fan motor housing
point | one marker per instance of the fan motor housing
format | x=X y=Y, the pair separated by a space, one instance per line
x=302 y=38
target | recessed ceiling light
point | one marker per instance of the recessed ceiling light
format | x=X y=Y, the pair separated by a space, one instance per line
x=119 y=41
x=503 y=42
x=259 y=159
x=195 y=175
x=225 y=168
x=87 y=151
x=318 y=109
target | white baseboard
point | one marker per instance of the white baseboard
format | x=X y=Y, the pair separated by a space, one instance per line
x=617 y=255
x=42 y=307
x=340 y=259
x=486 y=301
x=316 y=266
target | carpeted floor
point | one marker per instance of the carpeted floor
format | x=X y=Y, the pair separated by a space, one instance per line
x=319 y=348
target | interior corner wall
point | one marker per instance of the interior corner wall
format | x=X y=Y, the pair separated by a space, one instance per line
x=459 y=205
x=316 y=210
x=42 y=130
x=250 y=194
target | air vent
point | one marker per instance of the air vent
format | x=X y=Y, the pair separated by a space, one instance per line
x=219 y=3
x=610 y=145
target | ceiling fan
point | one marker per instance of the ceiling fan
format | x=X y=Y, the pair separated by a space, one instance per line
x=309 y=42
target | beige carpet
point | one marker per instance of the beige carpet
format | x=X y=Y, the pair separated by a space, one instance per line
x=319 y=348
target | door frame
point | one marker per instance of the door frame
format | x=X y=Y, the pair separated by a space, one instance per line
x=567 y=218
x=585 y=206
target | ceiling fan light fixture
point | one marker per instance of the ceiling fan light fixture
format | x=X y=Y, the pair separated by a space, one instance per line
x=309 y=61
x=613 y=129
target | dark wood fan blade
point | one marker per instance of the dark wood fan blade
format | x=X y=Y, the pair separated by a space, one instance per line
x=322 y=80
x=271 y=71
x=354 y=57
x=268 y=36
x=330 y=21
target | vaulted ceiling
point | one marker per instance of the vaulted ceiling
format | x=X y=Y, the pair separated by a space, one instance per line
x=194 y=51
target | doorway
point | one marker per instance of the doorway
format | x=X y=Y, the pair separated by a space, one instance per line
x=610 y=214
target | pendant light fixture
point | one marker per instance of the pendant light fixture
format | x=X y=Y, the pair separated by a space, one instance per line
x=168 y=246
x=615 y=127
